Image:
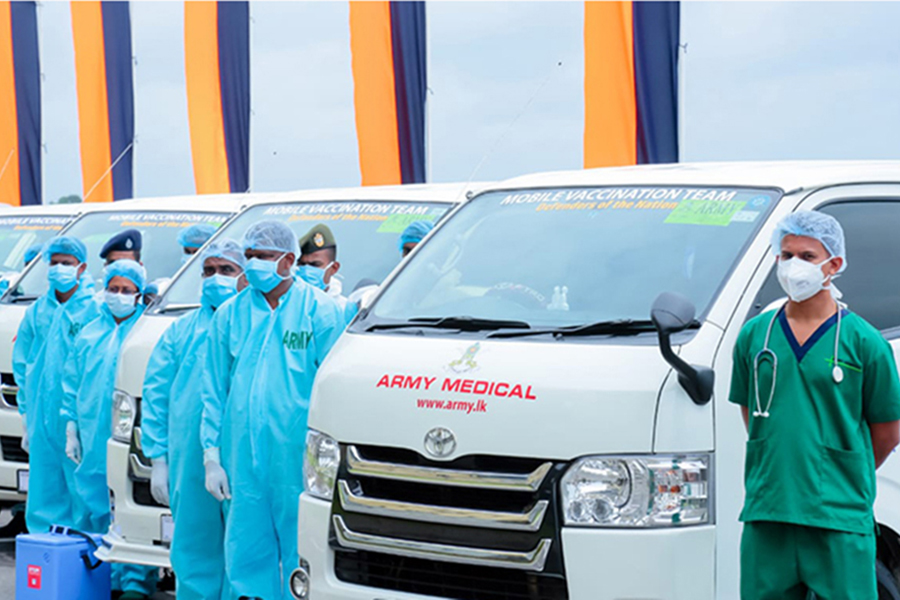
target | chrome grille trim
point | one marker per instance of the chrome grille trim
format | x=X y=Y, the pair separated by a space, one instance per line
x=530 y=520
x=514 y=482
x=533 y=560
x=12 y=390
x=139 y=469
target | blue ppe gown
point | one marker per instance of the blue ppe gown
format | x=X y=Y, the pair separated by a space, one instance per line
x=88 y=385
x=259 y=373
x=170 y=428
x=44 y=340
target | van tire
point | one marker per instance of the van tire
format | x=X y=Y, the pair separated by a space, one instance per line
x=887 y=583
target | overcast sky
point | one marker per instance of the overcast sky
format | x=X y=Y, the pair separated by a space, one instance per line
x=760 y=81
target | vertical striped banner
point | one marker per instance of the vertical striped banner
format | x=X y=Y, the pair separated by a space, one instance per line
x=20 y=99
x=388 y=48
x=105 y=87
x=217 y=71
x=631 y=83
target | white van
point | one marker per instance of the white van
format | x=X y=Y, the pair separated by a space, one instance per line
x=366 y=223
x=159 y=220
x=449 y=427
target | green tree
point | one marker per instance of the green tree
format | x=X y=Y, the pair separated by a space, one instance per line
x=70 y=199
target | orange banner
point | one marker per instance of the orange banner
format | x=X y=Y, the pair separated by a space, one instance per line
x=373 y=92
x=93 y=110
x=610 y=113
x=9 y=126
x=201 y=61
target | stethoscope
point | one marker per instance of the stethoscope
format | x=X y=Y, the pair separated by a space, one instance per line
x=837 y=373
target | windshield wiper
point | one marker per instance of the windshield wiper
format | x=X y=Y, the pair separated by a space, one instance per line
x=30 y=298
x=462 y=323
x=176 y=307
x=616 y=327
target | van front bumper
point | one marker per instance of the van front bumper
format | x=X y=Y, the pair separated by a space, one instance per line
x=600 y=564
x=135 y=534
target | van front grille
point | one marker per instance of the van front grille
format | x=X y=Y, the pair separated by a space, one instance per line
x=8 y=391
x=12 y=449
x=482 y=527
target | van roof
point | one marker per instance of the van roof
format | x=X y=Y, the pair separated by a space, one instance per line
x=787 y=175
x=42 y=209
x=435 y=192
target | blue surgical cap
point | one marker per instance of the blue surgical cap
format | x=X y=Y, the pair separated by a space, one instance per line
x=415 y=232
x=195 y=235
x=227 y=249
x=33 y=251
x=129 y=269
x=270 y=235
x=812 y=224
x=64 y=245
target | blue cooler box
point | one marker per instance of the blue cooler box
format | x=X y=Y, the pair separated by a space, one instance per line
x=60 y=565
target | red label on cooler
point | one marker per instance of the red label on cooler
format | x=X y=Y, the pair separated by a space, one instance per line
x=34 y=577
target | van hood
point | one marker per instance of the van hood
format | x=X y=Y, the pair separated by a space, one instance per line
x=549 y=400
x=136 y=351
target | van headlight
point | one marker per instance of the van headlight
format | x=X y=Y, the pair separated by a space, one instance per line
x=637 y=491
x=123 y=413
x=320 y=464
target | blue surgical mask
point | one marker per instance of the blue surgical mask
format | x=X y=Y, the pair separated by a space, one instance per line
x=185 y=258
x=314 y=276
x=263 y=274
x=62 y=278
x=219 y=288
x=120 y=305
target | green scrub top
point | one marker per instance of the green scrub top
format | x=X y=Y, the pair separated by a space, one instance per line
x=811 y=462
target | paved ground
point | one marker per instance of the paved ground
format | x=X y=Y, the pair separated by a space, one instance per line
x=8 y=566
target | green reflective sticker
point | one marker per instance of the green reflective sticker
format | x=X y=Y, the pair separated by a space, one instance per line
x=397 y=223
x=705 y=212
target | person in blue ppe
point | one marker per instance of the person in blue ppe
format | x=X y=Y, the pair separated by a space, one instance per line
x=170 y=424
x=32 y=253
x=412 y=235
x=45 y=336
x=124 y=245
x=192 y=238
x=265 y=346
x=318 y=266
x=88 y=383
x=819 y=394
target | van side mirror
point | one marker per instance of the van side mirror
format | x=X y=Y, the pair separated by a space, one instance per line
x=672 y=313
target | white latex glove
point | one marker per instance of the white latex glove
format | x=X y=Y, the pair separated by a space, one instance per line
x=159 y=481
x=73 y=445
x=216 y=479
x=25 y=444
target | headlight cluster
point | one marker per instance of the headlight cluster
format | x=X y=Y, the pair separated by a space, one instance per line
x=320 y=464
x=123 y=414
x=645 y=491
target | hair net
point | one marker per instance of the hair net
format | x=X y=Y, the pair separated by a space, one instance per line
x=812 y=224
x=227 y=249
x=128 y=269
x=270 y=235
x=64 y=245
x=195 y=235
x=415 y=232
x=33 y=251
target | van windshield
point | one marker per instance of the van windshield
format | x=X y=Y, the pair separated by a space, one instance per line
x=161 y=253
x=366 y=233
x=553 y=258
x=20 y=232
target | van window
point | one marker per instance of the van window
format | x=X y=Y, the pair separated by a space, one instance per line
x=20 y=232
x=161 y=253
x=366 y=232
x=868 y=285
x=569 y=257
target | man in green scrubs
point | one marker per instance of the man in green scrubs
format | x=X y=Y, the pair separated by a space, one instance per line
x=817 y=432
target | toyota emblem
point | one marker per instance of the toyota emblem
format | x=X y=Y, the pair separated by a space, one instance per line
x=440 y=442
